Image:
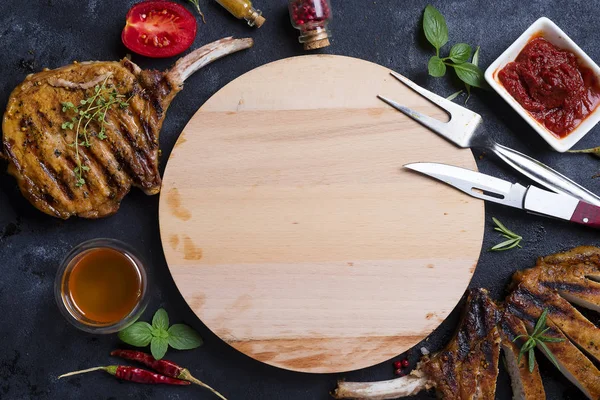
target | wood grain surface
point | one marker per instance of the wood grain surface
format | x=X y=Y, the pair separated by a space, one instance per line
x=293 y=232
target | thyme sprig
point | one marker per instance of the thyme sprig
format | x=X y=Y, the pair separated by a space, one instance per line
x=93 y=108
x=513 y=241
x=537 y=339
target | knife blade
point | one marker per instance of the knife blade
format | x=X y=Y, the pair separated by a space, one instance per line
x=530 y=198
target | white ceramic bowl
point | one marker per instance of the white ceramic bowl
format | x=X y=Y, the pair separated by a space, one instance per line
x=556 y=36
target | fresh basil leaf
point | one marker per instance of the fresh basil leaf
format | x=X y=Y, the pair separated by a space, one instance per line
x=454 y=95
x=471 y=74
x=436 y=67
x=138 y=334
x=434 y=26
x=182 y=337
x=158 y=347
x=460 y=53
x=160 y=319
x=475 y=60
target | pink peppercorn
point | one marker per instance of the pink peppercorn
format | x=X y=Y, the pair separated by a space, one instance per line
x=311 y=17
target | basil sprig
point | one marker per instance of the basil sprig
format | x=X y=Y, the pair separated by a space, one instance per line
x=434 y=25
x=436 y=32
x=160 y=336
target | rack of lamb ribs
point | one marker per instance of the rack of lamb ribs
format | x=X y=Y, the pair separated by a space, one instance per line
x=467 y=367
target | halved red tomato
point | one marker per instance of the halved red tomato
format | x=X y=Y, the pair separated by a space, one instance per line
x=159 y=29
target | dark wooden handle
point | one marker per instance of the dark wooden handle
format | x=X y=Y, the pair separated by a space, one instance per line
x=587 y=214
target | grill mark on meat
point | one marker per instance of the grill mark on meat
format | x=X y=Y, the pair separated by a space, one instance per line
x=145 y=125
x=507 y=329
x=478 y=323
x=50 y=172
x=90 y=160
x=29 y=189
x=124 y=148
x=144 y=161
x=143 y=153
x=151 y=80
x=569 y=287
x=448 y=367
x=60 y=184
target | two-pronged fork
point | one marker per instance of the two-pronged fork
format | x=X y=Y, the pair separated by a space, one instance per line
x=461 y=128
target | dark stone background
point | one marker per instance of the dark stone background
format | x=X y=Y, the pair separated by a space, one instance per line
x=36 y=342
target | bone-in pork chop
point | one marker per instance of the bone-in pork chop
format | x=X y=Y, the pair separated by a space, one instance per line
x=78 y=137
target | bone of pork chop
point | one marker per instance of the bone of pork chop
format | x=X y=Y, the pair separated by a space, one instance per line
x=40 y=153
x=466 y=369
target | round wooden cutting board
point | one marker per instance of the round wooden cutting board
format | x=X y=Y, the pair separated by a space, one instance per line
x=293 y=232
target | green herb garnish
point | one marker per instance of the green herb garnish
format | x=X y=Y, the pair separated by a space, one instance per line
x=537 y=338
x=160 y=336
x=436 y=32
x=595 y=151
x=197 y=7
x=454 y=95
x=93 y=108
x=513 y=241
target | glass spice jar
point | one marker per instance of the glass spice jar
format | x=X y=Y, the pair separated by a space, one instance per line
x=244 y=9
x=311 y=17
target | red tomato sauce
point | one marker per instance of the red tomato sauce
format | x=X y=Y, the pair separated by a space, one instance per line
x=552 y=86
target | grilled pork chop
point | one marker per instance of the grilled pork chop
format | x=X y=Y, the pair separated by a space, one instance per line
x=555 y=281
x=64 y=173
x=466 y=369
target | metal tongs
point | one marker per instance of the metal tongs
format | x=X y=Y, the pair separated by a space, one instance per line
x=461 y=128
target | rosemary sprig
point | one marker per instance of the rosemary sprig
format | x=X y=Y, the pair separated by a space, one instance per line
x=595 y=151
x=513 y=241
x=537 y=338
x=197 y=6
x=93 y=108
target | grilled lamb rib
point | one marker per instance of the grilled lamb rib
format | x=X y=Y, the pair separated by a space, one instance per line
x=38 y=149
x=466 y=369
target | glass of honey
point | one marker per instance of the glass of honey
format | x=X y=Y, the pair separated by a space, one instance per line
x=101 y=286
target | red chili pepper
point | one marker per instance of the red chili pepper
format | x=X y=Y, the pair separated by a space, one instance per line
x=132 y=374
x=165 y=367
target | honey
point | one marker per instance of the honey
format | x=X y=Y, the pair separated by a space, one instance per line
x=101 y=286
x=104 y=285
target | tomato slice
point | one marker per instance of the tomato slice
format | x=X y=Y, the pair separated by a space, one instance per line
x=159 y=29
